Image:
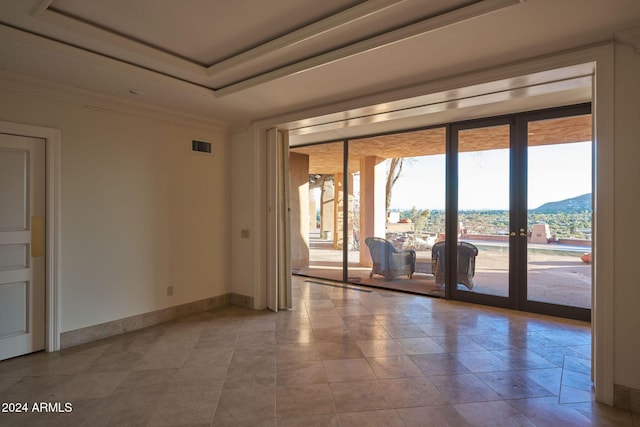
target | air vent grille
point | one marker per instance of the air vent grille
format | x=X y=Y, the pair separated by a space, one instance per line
x=201 y=146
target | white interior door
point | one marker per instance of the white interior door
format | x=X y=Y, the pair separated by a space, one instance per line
x=22 y=246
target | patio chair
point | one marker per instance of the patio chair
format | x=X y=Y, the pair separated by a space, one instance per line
x=467 y=254
x=388 y=261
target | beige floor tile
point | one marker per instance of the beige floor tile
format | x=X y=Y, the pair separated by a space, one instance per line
x=191 y=408
x=257 y=374
x=404 y=331
x=463 y=388
x=89 y=386
x=412 y=392
x=359 y=396
x=574 y=395
x=327 y=321
x=492 y=414
x=483 y=361
x=382 y=418
x=301 y=400
x=354 y=321
x=115 y=362
x=33 y=389
x=161 y=360
x=331 y=334
x=432 y=416
x=208 y=357
x=439 y=364
x=513 y=384
x=546 y=411
x=549 y=378
x=295 y=336
x=429 y=362
x=146 y=382
x=286 y=353
x=369 y=332
x=195 y=379
x=245 y=404
x=457 y=343
x=375 y=348
x=256 y=339
x=339 y=350
x=324 y=420
x=523 y=358
x=394 y=367
x=302 y=372
x=348 y=370
x=424 y=345
x=133 y=408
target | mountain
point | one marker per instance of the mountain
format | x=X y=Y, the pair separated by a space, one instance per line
x=575 y=204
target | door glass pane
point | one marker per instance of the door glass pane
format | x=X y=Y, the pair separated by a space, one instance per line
x=483 y=210
x=316 y=180
x=398 y=203
x=560 y=211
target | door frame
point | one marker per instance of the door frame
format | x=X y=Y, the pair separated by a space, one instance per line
x=52 y=138
x=518 y=252
x=522 y=122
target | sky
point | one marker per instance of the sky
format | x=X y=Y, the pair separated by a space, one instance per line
x=556 y=172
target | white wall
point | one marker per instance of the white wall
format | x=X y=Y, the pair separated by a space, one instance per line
x=627 y=206
x=140 y=211
x=247 y=163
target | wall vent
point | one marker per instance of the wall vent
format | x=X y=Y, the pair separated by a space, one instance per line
x=201 y=146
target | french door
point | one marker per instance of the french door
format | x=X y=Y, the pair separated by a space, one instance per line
x=519 y=212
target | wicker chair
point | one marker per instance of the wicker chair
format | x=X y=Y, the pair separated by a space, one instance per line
x=388 y=261
x=467 y=254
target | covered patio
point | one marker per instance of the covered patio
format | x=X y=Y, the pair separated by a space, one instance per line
x=317 y=242
x=556 y=273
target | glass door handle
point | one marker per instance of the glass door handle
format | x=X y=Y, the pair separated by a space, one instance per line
x=523 y=233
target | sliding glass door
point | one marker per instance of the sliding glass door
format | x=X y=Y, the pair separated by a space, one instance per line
x=559 y=212
x=495 y=211
x=521 y=193
x=481 y=157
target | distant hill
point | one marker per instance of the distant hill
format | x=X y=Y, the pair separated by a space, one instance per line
x=575 y=204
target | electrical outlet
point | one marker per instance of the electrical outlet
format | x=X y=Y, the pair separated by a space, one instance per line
x=169 y=291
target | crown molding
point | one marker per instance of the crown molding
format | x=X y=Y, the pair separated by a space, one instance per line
x=96 y=58
x=181 y=71
x=99 y=101
x=120 y=41
x=630 y=37
x=303 y=34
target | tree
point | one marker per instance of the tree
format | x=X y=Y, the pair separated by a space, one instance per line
x=395 y=167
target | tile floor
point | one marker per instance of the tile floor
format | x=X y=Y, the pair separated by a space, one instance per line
x=341 y=357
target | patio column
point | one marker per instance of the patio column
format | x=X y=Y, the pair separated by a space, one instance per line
x=372 y=203
x=340 y=200
x=327 y=211
x=299 y=201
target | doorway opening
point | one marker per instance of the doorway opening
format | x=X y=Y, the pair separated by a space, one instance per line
x=455 y=192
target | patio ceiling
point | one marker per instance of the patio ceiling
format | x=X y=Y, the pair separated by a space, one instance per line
x=327 y=158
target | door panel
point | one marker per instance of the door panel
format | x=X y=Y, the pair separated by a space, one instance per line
x=22 y=276
x=13 y=188
x=522 y=197
x=478 y=232
x=559 y=214
x=483 y=210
